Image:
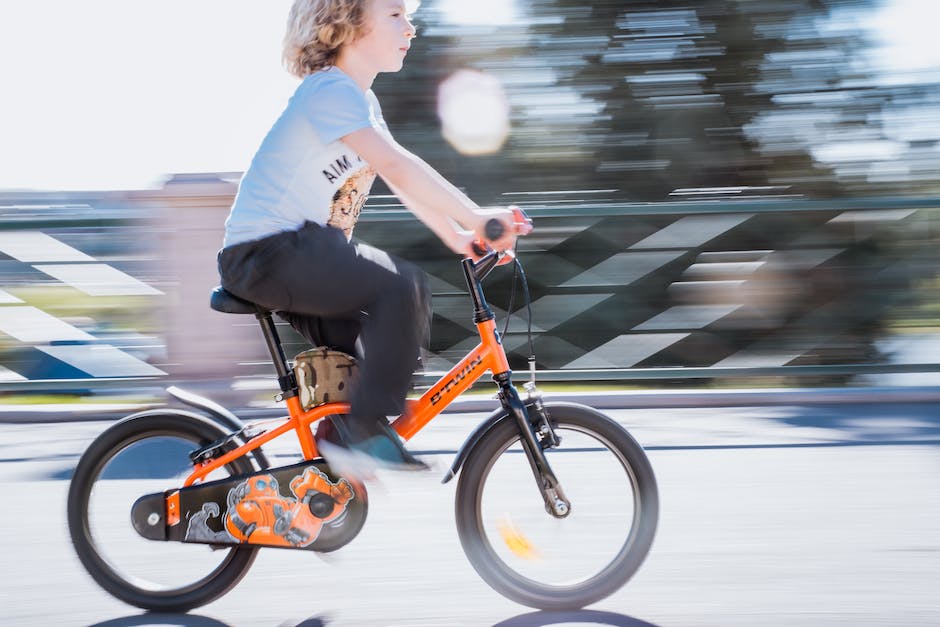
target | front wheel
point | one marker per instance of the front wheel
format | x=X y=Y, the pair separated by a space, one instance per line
x=143 y=454
x=550 y=563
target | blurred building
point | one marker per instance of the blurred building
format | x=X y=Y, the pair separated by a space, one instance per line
x=116 y=284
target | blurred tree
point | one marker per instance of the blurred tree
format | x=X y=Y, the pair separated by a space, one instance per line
x=681 y=86
x=643 y=98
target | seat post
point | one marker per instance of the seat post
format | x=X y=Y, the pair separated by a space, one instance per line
x=285 y=376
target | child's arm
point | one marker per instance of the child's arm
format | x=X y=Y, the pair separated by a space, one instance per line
x=427 y=194
x=452 y=234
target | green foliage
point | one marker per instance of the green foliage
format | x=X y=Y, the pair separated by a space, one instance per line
x=645 y=98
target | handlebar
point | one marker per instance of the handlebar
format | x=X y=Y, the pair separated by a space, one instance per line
x=494 y=229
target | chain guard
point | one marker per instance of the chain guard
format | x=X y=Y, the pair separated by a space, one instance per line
x=303 y=506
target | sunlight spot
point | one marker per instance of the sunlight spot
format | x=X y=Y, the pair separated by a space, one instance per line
x=480 y=12
x=474 y=112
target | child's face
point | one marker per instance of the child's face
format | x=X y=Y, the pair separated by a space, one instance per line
x=386 y=34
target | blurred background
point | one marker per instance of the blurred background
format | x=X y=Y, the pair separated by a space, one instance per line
x=725 y=192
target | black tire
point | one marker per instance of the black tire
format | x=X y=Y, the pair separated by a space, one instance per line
x=624 y=561
x=137 y=430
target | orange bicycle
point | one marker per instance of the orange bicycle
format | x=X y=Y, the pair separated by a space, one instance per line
x=167 y=508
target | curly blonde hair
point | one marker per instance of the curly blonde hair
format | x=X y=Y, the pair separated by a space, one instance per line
x=315 y=31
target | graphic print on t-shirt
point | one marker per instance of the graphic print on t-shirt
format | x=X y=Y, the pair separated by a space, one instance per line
x=349 y=199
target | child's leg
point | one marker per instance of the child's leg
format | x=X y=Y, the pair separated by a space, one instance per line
x=335 y=333
x=315 y=272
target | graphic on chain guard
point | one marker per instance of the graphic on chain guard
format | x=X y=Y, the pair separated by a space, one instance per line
x=300 y=507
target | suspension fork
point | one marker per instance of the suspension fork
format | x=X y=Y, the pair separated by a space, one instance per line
x=556 y=503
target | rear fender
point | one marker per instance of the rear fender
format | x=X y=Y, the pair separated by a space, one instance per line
x=221 y=416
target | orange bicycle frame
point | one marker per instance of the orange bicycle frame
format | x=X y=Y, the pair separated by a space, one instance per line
x=489 y=355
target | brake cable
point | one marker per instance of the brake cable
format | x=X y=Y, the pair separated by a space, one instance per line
x=519 y=274
x=548 y=437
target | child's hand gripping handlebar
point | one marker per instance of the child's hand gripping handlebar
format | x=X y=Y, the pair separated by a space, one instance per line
x=494 y=229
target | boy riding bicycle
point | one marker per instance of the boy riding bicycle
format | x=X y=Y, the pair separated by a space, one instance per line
x=288 y=243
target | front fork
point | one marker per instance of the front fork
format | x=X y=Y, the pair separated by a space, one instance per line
x=534 y=430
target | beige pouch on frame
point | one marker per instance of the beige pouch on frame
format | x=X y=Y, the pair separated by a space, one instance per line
x=324 y=376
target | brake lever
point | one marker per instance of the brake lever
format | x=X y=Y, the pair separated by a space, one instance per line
x=481 y=251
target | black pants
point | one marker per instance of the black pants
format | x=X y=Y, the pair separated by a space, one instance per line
x=334 y=292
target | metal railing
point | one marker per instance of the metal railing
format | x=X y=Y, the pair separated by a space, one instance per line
x=879 y=274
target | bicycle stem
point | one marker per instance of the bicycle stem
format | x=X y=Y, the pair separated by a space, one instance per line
x=474 y=272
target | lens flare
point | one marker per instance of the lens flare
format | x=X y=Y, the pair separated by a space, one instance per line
x=474 y=112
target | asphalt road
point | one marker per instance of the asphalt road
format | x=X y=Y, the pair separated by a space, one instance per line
x=770 y=516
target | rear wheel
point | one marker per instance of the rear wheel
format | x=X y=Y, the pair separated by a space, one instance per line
x=143 y=454
x=551 y=563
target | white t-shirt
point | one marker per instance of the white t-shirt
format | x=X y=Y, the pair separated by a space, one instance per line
x=302 y=171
